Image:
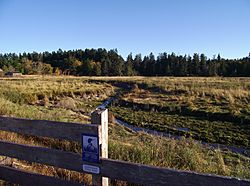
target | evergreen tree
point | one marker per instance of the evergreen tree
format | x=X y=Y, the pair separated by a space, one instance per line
x=137 y=64
x=103 y=62
x=129 y=66
x=195 y=65
x=203 y=65
x=86 y=68
x=183 y=66
x=105 y=66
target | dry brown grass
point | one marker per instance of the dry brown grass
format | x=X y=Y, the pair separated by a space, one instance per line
x=124 y=144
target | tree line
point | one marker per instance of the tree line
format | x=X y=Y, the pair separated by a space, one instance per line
x=100 y=62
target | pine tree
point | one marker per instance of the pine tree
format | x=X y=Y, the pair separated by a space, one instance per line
x=203 y=66
x=137 y=62
x=196 y=65
x=129 y=66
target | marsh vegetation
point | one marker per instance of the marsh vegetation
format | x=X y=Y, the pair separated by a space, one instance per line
x=211 y=109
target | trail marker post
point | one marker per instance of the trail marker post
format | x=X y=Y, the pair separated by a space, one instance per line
x=100 y=117
x=113 y=169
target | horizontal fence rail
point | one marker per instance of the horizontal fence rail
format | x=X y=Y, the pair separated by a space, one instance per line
x=47 y=156
x=22 y=177
x=151 y=175
x=44 y=128
x=114 y=169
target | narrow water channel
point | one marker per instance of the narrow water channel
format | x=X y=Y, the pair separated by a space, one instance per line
x=240 y=150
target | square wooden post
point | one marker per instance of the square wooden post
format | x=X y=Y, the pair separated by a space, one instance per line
x=100 y=117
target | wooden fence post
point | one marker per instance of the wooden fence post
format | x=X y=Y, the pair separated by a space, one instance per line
x=100 y=117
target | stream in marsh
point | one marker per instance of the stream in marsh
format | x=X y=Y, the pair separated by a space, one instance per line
x=241 y=150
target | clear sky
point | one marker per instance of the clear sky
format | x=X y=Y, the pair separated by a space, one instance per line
x=137 y=26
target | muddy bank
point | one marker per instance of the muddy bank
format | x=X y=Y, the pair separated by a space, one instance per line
x=241 y=150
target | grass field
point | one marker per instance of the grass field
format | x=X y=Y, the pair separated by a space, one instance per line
x=213 y=109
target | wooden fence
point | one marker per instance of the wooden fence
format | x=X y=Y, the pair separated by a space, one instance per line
x=113 y=169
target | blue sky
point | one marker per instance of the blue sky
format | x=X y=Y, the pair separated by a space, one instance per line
x=137 y=26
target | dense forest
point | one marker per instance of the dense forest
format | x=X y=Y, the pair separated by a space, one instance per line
x=100 y=62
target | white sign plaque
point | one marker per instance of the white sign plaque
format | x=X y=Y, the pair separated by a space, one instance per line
x=91 y=169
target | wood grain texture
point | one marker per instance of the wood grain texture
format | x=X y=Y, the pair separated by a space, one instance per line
x=120 y=170
x=100 y=117
x=150 y=175
x=51 y=129
x=53 y=157
x=21 y=177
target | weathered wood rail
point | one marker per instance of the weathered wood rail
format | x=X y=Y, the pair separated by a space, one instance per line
x=120 y=170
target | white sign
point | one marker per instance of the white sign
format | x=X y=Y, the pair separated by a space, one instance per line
x=91 y=169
